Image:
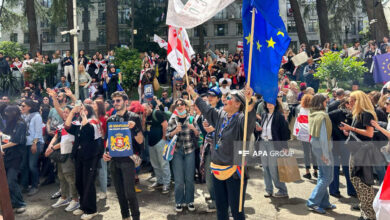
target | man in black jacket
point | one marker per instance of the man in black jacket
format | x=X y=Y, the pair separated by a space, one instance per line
x=335 y=104
x=123 y=168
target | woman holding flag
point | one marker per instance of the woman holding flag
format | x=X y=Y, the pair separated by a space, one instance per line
x=229 y=128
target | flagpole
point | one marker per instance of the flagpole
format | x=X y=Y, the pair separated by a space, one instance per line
x=184 y=61
x=246 y=114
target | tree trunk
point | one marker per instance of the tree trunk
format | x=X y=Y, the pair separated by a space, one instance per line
x=201 y=39
x=69 y=18
x=112 y=33
x=32 y=27
x=374 y=10
x=299 y=22
x=322 y=11
x=86 y=29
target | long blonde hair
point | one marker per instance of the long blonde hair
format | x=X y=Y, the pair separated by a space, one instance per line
x=362 y=104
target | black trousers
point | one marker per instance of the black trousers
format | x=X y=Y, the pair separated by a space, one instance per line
x=86 y=171
x=123 y=174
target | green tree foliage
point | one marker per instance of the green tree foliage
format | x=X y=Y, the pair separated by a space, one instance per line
x=129 y=62
x=334 y=69
x=12 y=49
x=42 y=73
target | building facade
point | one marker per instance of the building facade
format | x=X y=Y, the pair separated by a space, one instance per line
x=222 y=32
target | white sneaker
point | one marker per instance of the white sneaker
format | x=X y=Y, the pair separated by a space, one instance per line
x=78 y=212
x=20 y=210
x=88 y=216
x=102 y=196
x=60 y=202
x=73 y=205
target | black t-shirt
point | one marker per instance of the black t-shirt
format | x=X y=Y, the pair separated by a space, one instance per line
x=363 y=120
x=13 y=155
x=154 y=128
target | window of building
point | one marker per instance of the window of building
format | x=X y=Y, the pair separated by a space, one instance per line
x=44 y=23
x=353 y=27
x=65 y=38
x=221 y=15
x=239 y=29
x=101 y=17
x=360 y=24
x=196 y=32
x=46 y=3
x=220 y=29
x=26 y=38
x=223 y=48
x=102 y=36
x=13 y=37
x=312 y=26
x=47 y=37
x=291 y=27
x=124 y=36
x=124 y=16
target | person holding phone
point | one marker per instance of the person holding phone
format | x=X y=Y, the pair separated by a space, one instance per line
x=183 y=162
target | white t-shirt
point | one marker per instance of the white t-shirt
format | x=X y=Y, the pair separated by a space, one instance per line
x=224 y=90
x=229 y=81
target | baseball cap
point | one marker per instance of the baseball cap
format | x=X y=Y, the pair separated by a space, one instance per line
x=215 y=91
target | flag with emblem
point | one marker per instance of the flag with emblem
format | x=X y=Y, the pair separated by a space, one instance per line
x=382 y=68
x=161 y=42
x=176 y=56
x=270 y=42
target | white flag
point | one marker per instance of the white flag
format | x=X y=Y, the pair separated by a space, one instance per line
x=162 y=43
x=175 y=56
x=194 y=12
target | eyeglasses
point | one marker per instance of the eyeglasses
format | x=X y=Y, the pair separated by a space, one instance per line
x=117 y=100
x=181 y=104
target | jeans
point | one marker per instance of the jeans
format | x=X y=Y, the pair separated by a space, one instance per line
x=309 y=156
x=85 y=183
x=270 y=167
x=320 y=196
x=123 y=174
x=380 y=171
x=102 y=173
x=183 y=166
x=83 y=93
x=160 y=166
x=209 y=176
x=29 y=167
x=14 y=190
x=341 y=156
x=227 y=194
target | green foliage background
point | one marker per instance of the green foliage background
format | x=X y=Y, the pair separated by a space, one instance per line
x=129 y=62
x=334 y=69
x=12 y=49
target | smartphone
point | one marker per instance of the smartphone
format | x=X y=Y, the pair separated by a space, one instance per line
x=78 y=103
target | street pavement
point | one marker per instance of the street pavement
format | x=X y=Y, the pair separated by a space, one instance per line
x=155 y=206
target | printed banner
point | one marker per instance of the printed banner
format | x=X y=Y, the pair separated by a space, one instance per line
x=119 y=139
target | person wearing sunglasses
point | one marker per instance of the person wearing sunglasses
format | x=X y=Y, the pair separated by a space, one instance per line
x=123 y=169
x=229 y=128
x=183 y=162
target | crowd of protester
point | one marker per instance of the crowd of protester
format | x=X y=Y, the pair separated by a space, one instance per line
x=48 y=132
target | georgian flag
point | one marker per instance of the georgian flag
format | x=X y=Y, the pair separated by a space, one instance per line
x=194 y=12
x=17 y=65
x=381 y=202
x=161 y=42
x=175 y=52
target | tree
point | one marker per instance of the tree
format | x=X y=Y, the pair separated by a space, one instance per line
x=378 y=28
x=9 y=18
x=112 y=30
x=85 y=5
x=322 y=11
x=299 y=22
x=333 y=67
x=12 y=49
x=32 y=26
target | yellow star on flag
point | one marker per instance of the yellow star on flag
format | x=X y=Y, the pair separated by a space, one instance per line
x=248 y=39
x=258 y=46
x=271 y=43
x=280 y=33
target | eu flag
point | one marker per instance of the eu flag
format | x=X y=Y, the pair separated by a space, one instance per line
x=382 y=68
x=270 y=42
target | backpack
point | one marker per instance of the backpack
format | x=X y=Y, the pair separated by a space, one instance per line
x=167 y=115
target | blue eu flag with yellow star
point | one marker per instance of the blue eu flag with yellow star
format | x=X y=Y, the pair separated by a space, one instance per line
x=382 y=68
x=270 y=42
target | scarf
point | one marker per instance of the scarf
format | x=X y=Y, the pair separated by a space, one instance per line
x=315 y=122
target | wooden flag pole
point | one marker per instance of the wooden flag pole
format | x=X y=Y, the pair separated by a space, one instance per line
x=184 y=61
x=246 y=114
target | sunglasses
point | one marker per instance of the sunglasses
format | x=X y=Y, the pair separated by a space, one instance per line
x=23 y=106
x=117 y=100
x=279 y=96
x=229 y=97
x=181 y=104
